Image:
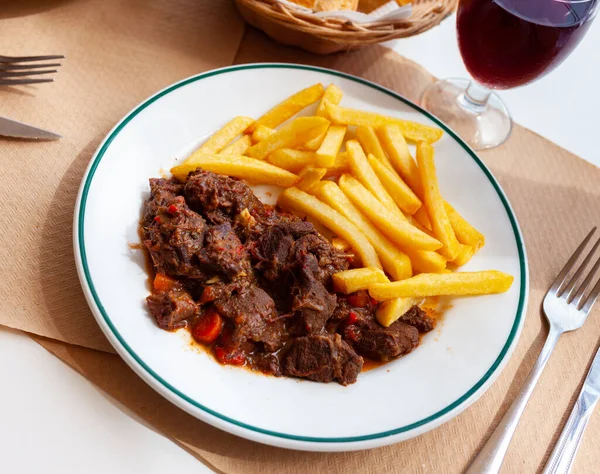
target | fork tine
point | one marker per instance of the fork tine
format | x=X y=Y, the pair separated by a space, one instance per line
x=580 y=295
x=592 y=298
x=562 y=276
x=22 y=59
x=16 y=82
x=570 y=289
x=8 y=74
x=15 y=67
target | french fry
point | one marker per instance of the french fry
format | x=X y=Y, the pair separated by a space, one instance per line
x=292 y=160
x=402 y=195
x=223 y=137
x=434 y=284
x=394 y=262
x=340 y=244
x=292 y=135
x=237 y=166
x=357 y=279
x=361 y=168
x=238 y=147
x=412 y=131
x=442 y=229
x=261 y=132
x=465 y=232
x=330 y=146
x=392 y=258
x=289 y=107
x=390 y=311
x=297 y=200
x=397 y=150
x=367 y=137
x=320 y=228
x=309 y=177
x=426 y=261
x=422 y=218
x=398 y=231
x=465 y=253
x=333 y=96
x=315 y=143
x=339 y=166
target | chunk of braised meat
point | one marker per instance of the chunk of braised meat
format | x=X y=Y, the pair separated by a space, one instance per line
x=254 y=317
x=220 y=291
x=311 y=301
x=172 y=185
x=273 y=249
x=172 y=308
x=322 y=358
x=171 y=231
x=359 y=328
x=329 y=259
x=219 y=198
x=223 y=252
x=271 y=254
x=418 y=318
x=294 y=227
x=267 y=363
x=371 y=339
x=349 y=309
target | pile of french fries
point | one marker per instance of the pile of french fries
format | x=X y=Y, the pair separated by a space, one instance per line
x=352 y=172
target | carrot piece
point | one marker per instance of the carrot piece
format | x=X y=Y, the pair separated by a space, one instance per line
x=208 y=328
x=163 y=282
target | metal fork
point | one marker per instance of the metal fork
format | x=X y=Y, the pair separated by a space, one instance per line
x=566 y=306
x=12 y=72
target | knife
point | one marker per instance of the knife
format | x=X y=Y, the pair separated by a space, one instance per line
x=12 y=128
x=563 y=455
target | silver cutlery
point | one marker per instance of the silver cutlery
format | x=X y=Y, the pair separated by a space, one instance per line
x=563 y=455
x=17 y=70
x=13 y=72
x=566 y=307
x=14 y=129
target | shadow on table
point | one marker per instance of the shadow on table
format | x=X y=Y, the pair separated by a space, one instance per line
x=62 y=295
x=374 y=63
x=12 y=8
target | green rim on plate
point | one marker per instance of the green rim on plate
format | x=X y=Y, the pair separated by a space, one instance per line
x=81 y=238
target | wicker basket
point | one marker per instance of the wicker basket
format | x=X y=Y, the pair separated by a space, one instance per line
x=323 y=36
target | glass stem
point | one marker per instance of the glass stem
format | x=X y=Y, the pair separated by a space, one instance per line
x=475 y=98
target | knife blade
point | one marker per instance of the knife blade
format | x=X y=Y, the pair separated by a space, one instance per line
x=12 y=128
x=563 y=454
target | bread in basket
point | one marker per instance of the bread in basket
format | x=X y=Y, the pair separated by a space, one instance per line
x=292 y=26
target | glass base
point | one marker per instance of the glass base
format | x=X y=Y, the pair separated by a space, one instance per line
x=481 y=124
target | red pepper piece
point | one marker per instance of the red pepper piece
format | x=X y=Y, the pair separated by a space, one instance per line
x=173 y=209
x=351 y=333
x=352 y=317
x=359 y=300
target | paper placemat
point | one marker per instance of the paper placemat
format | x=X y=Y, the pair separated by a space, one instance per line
x=118 y=53
x=556 y=197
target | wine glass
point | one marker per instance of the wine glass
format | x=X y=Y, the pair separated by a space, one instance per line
x=504 y=44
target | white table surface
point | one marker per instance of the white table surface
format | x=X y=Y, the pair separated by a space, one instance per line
x=55 y=421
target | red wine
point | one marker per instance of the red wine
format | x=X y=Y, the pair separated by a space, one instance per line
x=508 y=43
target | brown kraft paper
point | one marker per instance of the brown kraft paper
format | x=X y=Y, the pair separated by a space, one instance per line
x=118 y=53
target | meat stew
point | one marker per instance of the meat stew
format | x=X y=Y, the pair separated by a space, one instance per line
x=253 y=284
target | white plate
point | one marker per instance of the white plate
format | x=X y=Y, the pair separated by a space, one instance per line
x=453 y=366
